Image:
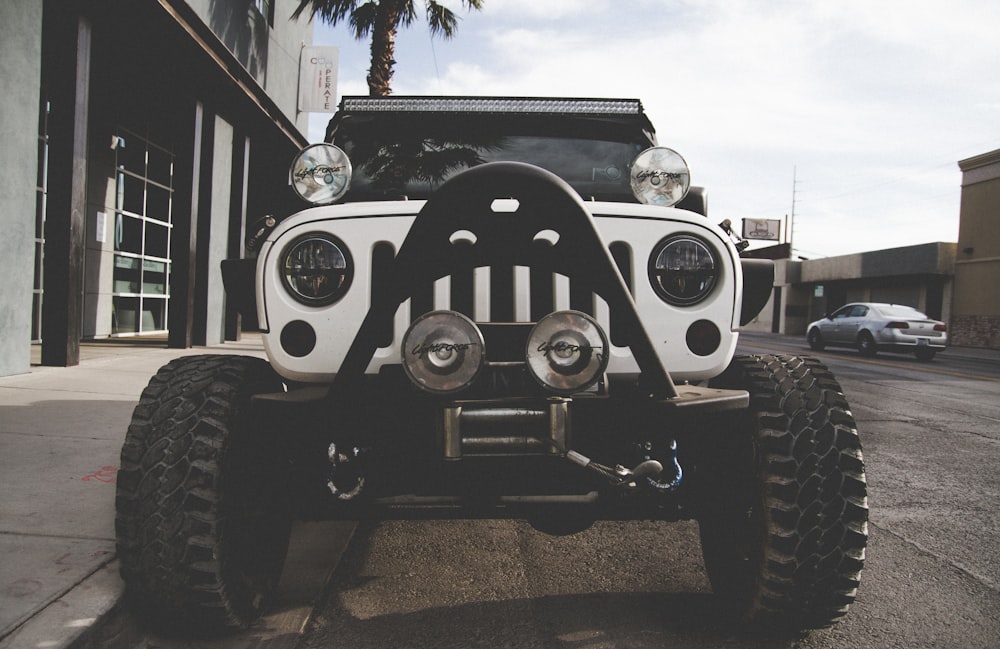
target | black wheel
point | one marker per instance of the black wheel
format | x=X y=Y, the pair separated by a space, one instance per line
x=866 y=344
x=201 y=534
x=815 y=340
x=785 y=521
x=925 y=353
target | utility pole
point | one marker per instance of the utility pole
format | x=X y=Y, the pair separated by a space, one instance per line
x=790 y=221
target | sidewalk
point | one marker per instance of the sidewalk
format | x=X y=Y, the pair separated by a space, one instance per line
x=61 y=431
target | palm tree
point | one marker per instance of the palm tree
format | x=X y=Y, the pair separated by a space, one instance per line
x=381 y=19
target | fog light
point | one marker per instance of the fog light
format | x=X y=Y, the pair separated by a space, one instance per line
x=567 y=351
x=703 y=337
x=443 y=352
x=298 y=338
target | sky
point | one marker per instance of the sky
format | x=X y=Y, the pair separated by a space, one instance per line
x=845 y=118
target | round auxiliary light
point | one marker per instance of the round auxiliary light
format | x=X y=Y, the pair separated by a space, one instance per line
x=443 y=352
x=317 y=269
x=567 y=351
x=660 y=176
x=683 y=270
x=321 y=173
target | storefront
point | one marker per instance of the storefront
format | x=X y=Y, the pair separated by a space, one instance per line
x=158 y=131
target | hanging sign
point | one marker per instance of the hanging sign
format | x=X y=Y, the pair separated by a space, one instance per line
x=318 y=79
x=766 y=229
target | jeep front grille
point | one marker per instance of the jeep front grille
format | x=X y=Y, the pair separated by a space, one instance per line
x=501 y=294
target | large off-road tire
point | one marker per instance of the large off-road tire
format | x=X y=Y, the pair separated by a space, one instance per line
x=201 y=534
x=785 y=521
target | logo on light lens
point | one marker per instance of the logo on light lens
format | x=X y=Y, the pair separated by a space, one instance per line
x=321 y=174
x=660 y=176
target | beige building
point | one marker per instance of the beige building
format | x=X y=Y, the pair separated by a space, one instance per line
x=975 y=317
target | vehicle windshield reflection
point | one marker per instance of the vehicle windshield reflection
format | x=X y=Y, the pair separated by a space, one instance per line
x=394 y=157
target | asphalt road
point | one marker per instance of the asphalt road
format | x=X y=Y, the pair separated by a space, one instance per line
x=931 y=435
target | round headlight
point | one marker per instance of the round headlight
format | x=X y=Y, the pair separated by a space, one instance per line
x=317 y=269
x=683 y=270
x=660 y=176
x=321 y=173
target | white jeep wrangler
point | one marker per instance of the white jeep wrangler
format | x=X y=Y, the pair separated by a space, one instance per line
x=498 y=307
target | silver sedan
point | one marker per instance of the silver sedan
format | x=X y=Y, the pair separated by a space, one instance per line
x=872 y=327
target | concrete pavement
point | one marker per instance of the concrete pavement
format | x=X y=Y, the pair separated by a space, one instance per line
x=61 y=431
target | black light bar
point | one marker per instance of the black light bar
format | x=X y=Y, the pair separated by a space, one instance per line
x=535 y=105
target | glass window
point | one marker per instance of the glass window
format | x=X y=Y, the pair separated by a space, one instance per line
x=157 y=240
x=131 y=194
x=158 y=203
x=126 y=274
x=131 y=153
x=141 y=275
x=160 y=166
x=154 y=314
x=128 y=233
x=124 y=315
x=154 y=277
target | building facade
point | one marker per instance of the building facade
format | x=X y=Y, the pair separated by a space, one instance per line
x=921 y=276
x=953 y=282
x=142 y=136
x=976 y=316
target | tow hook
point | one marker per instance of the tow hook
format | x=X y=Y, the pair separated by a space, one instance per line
x=648 y=474
x=346 y=479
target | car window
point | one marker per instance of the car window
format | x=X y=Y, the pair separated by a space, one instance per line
x=900 y=311
x=859 y=311
x=842 y=312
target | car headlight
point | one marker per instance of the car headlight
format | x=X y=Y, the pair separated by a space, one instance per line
x=683 y=270
x=317 y=269
x=660 y=176
x=321 y=174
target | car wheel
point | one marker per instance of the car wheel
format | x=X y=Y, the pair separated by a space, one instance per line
x=866 y=344
x=815 y=340
x=201 y=535
x=784 y=522
x=925 y=353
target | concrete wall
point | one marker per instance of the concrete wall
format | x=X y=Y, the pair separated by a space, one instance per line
x=99 y=264
x=287 y=38
x=20 y=69
x=222 y=171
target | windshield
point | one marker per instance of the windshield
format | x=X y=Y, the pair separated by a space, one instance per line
x=411 y=155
